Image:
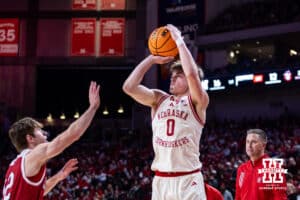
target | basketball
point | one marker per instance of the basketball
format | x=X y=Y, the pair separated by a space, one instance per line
x=160 y=43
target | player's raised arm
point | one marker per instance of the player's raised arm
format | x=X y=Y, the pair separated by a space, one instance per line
x=198 y=94
x=42 y=152
x=133 y=87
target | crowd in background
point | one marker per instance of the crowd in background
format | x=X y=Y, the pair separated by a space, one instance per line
x=115 y=165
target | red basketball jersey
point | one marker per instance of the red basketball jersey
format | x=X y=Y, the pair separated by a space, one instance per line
x=17 y=186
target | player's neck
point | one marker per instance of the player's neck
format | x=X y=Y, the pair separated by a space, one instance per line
x=181 y=95
x=31 y=146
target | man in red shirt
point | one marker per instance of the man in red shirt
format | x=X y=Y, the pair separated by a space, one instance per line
x=252 y=181
x=26 y=176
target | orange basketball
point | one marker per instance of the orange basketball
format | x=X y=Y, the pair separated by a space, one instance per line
x=160 y=43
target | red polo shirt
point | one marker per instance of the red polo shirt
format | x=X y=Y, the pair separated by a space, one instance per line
x=249 y=183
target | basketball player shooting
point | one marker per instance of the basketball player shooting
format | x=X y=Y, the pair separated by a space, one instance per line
x=26 y=176
x=177 y=122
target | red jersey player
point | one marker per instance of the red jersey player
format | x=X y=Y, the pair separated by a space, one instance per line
x=26 y=176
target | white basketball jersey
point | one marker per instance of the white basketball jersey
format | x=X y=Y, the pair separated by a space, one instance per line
x=177 y=130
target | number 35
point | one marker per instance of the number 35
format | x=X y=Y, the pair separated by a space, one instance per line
x=8 y=35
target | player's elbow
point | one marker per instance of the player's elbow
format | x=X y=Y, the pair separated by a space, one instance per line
x=127 y=88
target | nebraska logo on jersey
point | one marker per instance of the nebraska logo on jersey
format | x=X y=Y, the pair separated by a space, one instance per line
x=173 y=113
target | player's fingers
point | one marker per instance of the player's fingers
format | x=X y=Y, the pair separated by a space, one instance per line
x=72 y=162
x=167 y=59
x=97 y=89
x=171 y=28
x=74 y=168
x=94 y=86
x=75 y=161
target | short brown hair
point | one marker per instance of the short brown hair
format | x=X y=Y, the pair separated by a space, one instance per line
x=262 y=134
x=19 y=130
x=177 y=66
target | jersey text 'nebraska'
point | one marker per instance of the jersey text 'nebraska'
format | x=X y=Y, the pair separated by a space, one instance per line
x=173 y=113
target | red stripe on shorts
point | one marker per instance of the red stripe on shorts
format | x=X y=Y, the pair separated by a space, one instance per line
x=174 y=174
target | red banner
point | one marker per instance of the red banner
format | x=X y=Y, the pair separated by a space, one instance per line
x=84 y=5
x=112 y=4
x=9 y=37
x=83 y=37
x=112 y=36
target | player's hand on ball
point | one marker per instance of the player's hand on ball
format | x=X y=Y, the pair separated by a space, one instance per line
x=161 y=59
x=175 y=34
